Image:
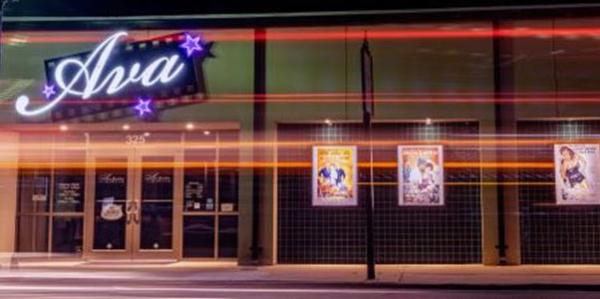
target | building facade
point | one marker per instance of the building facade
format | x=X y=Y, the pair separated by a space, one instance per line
x=227 y=167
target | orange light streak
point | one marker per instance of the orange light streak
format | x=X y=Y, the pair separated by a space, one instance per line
x=245 y=165
x=36 y=147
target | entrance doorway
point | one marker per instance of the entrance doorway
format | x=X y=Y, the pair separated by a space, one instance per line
x=133 y=195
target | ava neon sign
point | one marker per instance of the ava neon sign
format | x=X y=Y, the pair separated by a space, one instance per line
x=110 y=71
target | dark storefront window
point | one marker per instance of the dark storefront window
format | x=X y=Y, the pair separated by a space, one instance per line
x=67 y=234
x=199 y=236
x=69 y=190
x=210 y=195
x=228 y=176
x=228 y=226
x=199 y=177
x=157 y=206
x=110 y=204
x=51 y=198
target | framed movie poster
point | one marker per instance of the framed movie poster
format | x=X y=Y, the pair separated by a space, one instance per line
x=576 y=168
x=420 y=175
x=334 y=176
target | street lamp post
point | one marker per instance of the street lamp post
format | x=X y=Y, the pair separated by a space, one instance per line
x=368 y=107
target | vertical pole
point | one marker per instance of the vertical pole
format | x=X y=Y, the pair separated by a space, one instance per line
x=370 y=202
x=505 y=123
x=259 y=114
x=498 y=114
x=368 y=105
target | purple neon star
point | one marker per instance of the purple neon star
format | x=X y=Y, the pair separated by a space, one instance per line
x=49 y=91
x=143 y=106
x=191 y=44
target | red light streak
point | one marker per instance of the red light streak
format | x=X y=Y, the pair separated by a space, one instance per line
x=322 y=34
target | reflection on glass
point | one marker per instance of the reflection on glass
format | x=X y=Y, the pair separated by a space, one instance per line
x=228 y=227
x=33 y=234
x=199 y=236
x=67 y=234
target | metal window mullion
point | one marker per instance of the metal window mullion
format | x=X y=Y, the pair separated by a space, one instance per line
x=217 y=193
x=51 y=194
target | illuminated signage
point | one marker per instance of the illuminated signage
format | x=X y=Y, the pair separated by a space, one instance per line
x=122 y=72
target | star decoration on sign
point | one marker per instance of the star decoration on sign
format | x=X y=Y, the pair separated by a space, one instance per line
x=49 y=91
x=191 y=44
x=143 y=107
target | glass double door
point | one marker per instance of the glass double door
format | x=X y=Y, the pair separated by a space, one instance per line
x=132 y=202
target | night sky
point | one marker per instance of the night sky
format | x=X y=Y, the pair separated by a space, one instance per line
x=171 y=7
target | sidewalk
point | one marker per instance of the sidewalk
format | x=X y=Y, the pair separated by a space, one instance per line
x=387 y=275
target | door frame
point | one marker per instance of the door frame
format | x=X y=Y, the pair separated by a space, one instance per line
x=133 y=156
x=175 y=253
x=92 y=157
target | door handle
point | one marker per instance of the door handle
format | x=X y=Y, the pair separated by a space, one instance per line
x=128 y=208
x=136 y=211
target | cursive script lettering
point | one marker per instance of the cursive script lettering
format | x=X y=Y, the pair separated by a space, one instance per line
x=110 y=178
x=91 y=76
x=156 y=178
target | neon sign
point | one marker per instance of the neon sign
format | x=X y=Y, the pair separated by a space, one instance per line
x=117 y=70
x=143 y=107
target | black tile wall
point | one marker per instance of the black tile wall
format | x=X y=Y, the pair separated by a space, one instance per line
x=552 y=234
x=446 y=234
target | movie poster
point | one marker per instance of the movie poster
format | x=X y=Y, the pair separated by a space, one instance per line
x=420 y=175
x=334 y=176
x=576 y=173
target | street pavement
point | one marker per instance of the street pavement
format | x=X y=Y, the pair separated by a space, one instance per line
x=203 y=280
x=66 y=289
